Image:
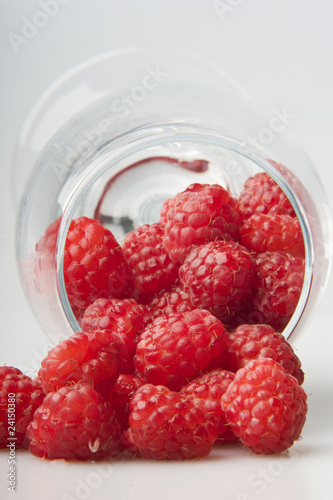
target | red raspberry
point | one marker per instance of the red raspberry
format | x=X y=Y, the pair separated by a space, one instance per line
x=249 y=342
x=265 y=406
x=271 y=233
x=249 y=315
x=207 y=390
x=106 y=314
x=166 y=208
x=48 y=242
x=164 y=425
x=177 y=347
x=75 y=422
x=151 y=267
x=277 y=285
x=201 y=213
x=94 y=265
x=217 y=276
x=169 y=302
x=121 y=395
x=262 y=195
x=20 y=396
x=96 y=358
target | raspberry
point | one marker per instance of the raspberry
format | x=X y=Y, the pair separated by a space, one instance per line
x=105 y=314
x=169 y=302
x=263 y=233
x=277 y=285
x=166 y=208
x=249 y=315
x=177 y=347
x=201 y=213
x=121 y=395
x=164 y=425
x=207 y=390
x=262 y=195
x=94 y=265
x=151 y=267
x=75 y=422
x=96 y=358
x=20 y=396
x=265 y=406
x=249 y=342
x=217 y=276
x=48 y=242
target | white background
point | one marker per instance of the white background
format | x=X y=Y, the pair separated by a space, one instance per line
x=281 y=52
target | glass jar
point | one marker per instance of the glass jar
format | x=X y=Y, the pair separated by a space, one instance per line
x=121 y=133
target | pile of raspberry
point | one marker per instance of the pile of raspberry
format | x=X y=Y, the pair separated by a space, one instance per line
x=181 y=346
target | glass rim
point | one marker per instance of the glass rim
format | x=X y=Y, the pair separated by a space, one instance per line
x=108 y=163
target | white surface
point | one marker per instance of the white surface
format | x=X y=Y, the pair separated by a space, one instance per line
x=281 y=53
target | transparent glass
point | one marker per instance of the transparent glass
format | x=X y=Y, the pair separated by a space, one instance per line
x=120 y=134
